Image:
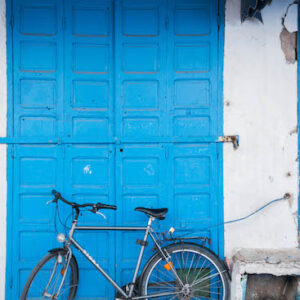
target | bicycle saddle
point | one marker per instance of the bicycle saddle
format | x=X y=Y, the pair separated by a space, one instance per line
x=159 y=213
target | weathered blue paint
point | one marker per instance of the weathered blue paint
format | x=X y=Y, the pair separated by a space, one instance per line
x=117 y=102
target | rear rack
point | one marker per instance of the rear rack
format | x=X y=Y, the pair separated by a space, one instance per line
x=182 y=239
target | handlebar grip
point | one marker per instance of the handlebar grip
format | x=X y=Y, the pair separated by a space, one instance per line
x=107 y=206
x=95 y=207
x=56 y=194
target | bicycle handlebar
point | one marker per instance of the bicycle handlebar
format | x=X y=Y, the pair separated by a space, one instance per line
x=95 y=206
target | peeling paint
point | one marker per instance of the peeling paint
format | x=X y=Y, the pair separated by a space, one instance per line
x=149 y=170
x=288 y=39
x=288 y=174
x=294 y=130
x=87 y=169
x=289 y=45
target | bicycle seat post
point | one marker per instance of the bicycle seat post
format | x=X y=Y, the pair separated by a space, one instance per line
x=143 y=244
x=151 y=219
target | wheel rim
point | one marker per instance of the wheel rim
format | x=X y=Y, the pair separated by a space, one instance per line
x=47 y=280
x=201 y=277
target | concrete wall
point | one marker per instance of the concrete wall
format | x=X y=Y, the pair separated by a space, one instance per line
x=260 y=104
x=3 y=185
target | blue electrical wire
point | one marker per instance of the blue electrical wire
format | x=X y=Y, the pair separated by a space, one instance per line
x=285 y=197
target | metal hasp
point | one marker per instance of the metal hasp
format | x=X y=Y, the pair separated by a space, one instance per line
x=252 y=9
x=234 y=139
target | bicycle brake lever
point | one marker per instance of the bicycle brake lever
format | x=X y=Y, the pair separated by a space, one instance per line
x=101 y=214
x=50 y=201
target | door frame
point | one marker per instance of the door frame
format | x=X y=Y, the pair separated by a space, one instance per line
x=220 y=186
x=9 y=284
x=9 y=278
x=298 y=113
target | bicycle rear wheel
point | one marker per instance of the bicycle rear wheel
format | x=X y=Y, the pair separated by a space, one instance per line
x=46 y=277
x=193 y=272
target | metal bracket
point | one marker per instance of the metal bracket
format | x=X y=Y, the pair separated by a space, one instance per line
x=234 y=139
x=142 y=243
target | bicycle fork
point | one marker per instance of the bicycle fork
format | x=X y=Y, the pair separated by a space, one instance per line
x=65 y=270
x=59 y=260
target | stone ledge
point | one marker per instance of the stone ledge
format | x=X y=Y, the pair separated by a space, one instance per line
x=276 y=262
x=262 y=261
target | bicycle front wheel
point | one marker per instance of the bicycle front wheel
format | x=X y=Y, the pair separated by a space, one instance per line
x=46 y=278
x=193 y=272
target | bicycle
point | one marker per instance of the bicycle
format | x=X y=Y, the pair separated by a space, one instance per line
x=176 y=271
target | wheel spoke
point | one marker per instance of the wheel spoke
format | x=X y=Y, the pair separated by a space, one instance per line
x=208 y=277
x=200 y=274
x=188 y=274
x=200 y=270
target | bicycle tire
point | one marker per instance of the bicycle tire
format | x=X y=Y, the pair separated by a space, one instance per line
x=73 y=267
x=200 y=288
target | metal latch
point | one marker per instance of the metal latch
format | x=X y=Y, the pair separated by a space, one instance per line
x=234 y=139
x=142 y=243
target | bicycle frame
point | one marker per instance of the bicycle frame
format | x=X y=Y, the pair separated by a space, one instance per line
x=148 y=232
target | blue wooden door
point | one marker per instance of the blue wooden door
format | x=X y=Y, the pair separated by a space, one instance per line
x=117 y=102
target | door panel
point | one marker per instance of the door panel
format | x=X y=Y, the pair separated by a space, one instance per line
x=112 y=102
x=140 y=69
x=34 y=227
x=89 y=69
x=192 y=68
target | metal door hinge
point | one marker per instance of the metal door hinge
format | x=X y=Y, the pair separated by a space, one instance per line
x=12 y=21
x=167 y=23
x=12 y=152
x=234 y=139
x=63 y=150
x=167 y=152
x=63 y=23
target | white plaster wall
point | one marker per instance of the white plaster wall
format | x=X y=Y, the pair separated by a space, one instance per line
x=260 y=104
x=3 y=184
